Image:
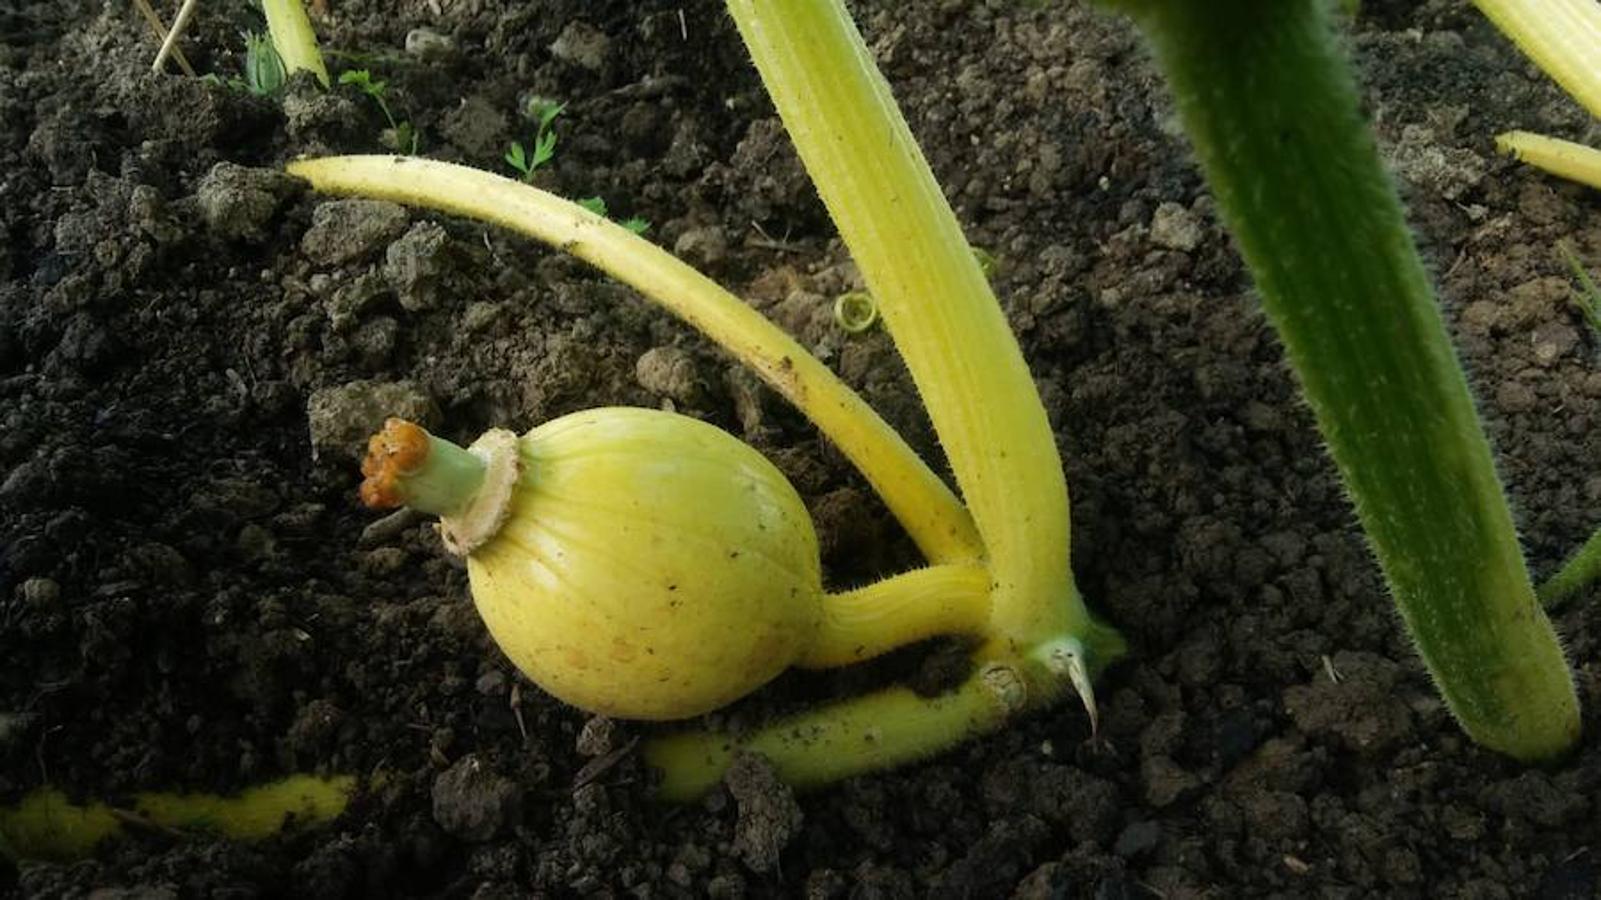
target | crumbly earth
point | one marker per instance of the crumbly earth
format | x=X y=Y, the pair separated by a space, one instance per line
x=191 y=345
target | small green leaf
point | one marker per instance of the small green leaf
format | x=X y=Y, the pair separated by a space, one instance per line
x=264 y=69
x=517 y=157
x=595 y=205
x=544 y=148
x=636 y=224
x=406 y=138
x=544 y=111
x=364 y=81
x=987 y=263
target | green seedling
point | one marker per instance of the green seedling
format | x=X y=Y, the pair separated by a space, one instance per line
x=264 y=73
x=264 y=68
x=542 y=149
x=998 y=559
x=988 y=263
x=1588 y=297
x=597 y=205
x=1584 y=566
x=401 y=135
x=1269 y=104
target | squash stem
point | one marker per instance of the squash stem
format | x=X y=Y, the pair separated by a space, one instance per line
x=1581 y=569
x=1273 y=113
x=1565 y=159
x=863 y=734
x=936 y=303
x=1562 y=37
x=407 y=466
x=925 y=506
x=294 y=39
x=914 y=606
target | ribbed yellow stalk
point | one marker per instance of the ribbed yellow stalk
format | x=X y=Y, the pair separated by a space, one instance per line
x=927 y=508
x=293 y=38
x=864 y=734
x=1575 y=162
x=1563 y=37
x=935 y=301
x=913 y=606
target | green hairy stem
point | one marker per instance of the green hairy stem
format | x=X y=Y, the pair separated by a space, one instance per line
x=1581 y=569
x=1270 y=106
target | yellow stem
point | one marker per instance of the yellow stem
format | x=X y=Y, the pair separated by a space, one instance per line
x=1575 y=162
x=934 y=298
x=46 y=825
x=1563 y=37
x=863 y=734
x=863 y=623
x=927 y=508
x=294 y=39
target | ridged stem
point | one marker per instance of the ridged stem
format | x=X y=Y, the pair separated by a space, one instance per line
x=910 y=607
x=1271 y=109
x=294 y=39
x=1566 y=159
x=1563 y=37
x=864 y=734
x=935 y=301
x=1581 y=569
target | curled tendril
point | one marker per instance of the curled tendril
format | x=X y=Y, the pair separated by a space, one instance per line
x=855 y=311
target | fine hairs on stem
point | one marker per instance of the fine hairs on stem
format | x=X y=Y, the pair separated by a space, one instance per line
x=1270 y=107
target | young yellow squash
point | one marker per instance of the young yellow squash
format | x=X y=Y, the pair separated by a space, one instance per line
x=632 y=562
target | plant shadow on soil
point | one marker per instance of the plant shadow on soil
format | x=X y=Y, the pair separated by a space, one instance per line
x=191 y=599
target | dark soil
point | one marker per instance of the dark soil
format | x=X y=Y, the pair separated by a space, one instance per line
x=190 y=347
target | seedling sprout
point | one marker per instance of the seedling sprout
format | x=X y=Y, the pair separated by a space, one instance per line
x=400 y=135
x=528 y=160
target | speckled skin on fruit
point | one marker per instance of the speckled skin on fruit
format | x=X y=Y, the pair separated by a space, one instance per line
x=652 y=566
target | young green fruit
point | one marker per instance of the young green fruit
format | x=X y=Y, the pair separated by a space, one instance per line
x=632 y=562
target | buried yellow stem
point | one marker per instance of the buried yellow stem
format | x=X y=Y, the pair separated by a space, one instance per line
x=917 y=605
x=864 y=734
x=927 y=508
x=1563 y=37
x=46 y=825
x=1575 y=162
x=293 y=38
